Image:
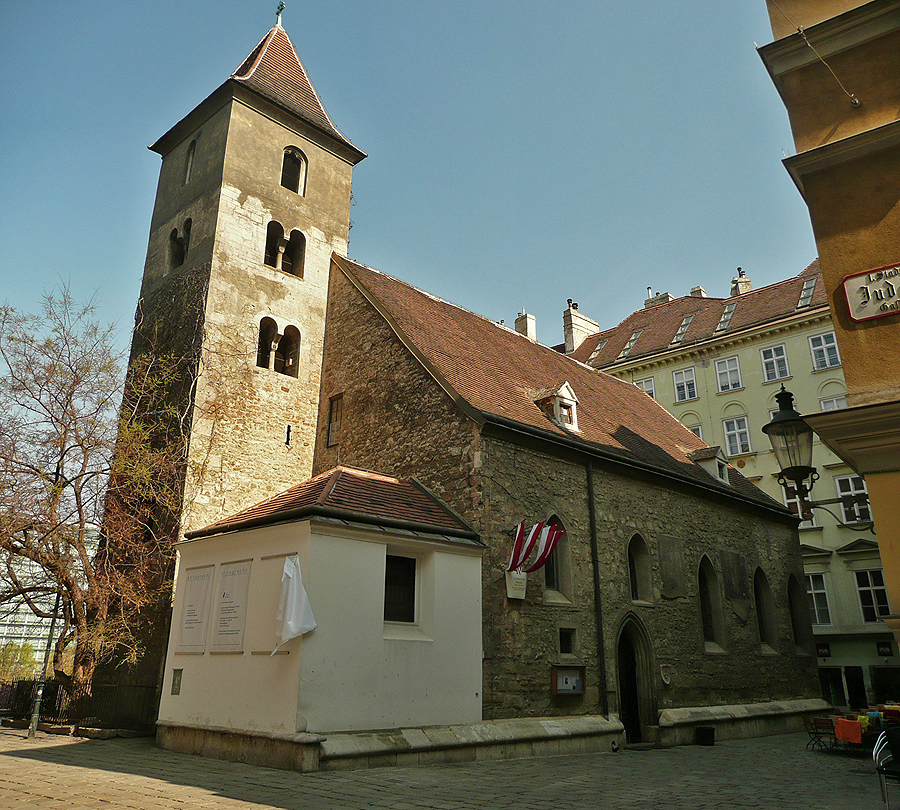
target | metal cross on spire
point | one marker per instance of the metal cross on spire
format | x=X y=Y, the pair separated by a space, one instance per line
x=278 y=13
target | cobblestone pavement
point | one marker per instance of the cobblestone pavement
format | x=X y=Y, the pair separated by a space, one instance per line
x=774 y=772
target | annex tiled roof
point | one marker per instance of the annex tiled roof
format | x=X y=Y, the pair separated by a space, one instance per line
x=659 y=324
x=351 y=494
x=500 y=374
x=274 y=70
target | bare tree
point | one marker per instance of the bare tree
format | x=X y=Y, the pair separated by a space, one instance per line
x=72 y=461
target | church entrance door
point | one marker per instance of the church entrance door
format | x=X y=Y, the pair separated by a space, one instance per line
x=634 y=682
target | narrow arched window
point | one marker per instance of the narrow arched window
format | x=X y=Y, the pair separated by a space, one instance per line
x=287 y=355
x=176 y=250
x=639 y=570
x=765 y=610
x=189 y=162
x=294 y=255
x=274 y=245
x=293 y=170
x=186 y=236
x=710 y=603
x=268 y=334
x=798 y=605
x=556 y=570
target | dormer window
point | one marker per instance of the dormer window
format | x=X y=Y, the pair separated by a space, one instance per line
x=713 y=461
x=806 y=294
x=679 y=335
x=596 y=352
x=722 y=325
x=567 y=413
x=561 y=406
x=630 y=345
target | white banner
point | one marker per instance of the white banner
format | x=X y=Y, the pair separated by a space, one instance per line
x=295 y=616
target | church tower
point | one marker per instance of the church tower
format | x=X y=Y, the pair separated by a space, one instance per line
x=253 y=197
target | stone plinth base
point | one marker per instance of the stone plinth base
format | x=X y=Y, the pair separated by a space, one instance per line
x=676 y=726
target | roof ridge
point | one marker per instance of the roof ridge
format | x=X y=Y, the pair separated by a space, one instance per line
x=256 y=55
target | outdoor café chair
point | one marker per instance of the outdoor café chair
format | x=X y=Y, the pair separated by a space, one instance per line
x=886 y=766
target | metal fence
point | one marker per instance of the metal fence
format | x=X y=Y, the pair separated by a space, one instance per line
x=132 y=706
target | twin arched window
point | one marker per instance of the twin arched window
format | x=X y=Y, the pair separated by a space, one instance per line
x=279 y=353
x=285 y=254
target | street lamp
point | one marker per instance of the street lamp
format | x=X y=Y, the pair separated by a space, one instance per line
x=792 y=441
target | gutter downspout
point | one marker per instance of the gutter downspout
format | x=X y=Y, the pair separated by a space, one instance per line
x=598 y=609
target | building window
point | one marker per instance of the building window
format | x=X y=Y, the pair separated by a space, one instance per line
x=646 y=385
x=853 y=485
x=682 y=329
x=685 y=385
x=335 y=413
x=639 y=570
x=737 y=435
x=189 y=162
x=722 y=325
x=792 y=502
x=274 y=239
x=566 y=640
x=287 y=354
x=833 y=403
x=557 y=576
x=179 y=245
x=872 y=594
x=399 y=589
x=824 y=351
x=293 y=170
x=287 y=255
x=806 y=294
x=775 y=365
x=596 y=352
x=728 y=374
x=697 y=430
x=818 y=599
x=268 y=342
x=710 y=603
x=765 y=609
x=630 y=345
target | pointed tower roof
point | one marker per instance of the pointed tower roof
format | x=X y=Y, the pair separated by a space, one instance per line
x=274 y=70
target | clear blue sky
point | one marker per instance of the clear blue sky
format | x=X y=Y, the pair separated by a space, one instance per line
x=520 y=153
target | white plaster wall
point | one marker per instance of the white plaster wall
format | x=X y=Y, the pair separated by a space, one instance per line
x=356 y=672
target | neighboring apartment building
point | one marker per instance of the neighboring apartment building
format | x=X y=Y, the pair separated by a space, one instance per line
x=716 y=365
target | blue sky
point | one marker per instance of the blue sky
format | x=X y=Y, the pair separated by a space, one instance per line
x=520 y=153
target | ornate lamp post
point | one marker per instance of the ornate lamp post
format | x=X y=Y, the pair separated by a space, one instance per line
x=792 y=441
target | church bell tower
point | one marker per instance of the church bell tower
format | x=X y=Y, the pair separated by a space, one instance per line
x=253 y=197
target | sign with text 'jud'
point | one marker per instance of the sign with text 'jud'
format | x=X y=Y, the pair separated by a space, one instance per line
x=874 y=293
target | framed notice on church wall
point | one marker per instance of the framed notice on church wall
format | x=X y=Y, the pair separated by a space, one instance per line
x=198 y=584
x=231 y=607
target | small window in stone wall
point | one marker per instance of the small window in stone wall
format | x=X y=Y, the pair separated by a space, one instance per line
x=285 y=254
x=639 y=576
x=399 y=589
x=189 y=162
x=293 y=170
x=287 y=355
x=557 y=574
x=765 y=609
x=335 y=413
x=710 y=604
x=179 y=243
x=268 y=336
x=566 y=640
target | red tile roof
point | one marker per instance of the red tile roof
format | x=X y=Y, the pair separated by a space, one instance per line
x=498 y=374
x=355 y=495
x=658 y=324
x=274 y=70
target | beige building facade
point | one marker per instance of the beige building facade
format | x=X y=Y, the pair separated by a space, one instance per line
x=716 y=364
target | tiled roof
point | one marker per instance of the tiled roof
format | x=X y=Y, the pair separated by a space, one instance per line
x=500 y=374
x=659 y=324
x=355 y=495
x=274 y=70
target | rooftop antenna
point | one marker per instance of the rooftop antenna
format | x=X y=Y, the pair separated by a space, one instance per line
x=278 y=13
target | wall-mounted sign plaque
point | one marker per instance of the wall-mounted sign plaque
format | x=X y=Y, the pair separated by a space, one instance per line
x=566 y=680
x=195 y=610
x=228 y=631
x=874 y=293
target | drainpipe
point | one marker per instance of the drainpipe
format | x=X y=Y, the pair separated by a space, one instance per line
x=598 y=609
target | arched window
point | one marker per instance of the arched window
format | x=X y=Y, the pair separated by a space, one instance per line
x=556 y=570
x=268 y=334
x=176 y=250
x=294 y=255
x=293 y=170
x=189 y=162
x=765 y=609
x=798 y=605
x=274 y=245
x=287 y=355
x=710 y=604
x=639 y=576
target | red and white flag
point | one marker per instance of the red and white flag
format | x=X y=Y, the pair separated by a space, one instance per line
x=549 y=538
x=523 y=546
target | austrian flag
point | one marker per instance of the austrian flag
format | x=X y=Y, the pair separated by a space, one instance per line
x=544 y=537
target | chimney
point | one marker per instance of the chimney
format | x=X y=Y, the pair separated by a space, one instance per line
x=576 y=327
x=527 y=325
x=659 y=298
x=698 y=292
x=740 y=284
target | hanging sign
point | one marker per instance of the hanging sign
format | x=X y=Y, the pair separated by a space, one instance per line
x=873 y=293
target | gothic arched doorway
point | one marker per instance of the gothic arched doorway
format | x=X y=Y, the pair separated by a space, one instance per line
x=635 y=690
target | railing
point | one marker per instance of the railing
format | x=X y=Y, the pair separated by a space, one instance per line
x=132 y=706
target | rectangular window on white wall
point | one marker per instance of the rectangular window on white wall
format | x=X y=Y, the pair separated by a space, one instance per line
x=728 y=373
x=775 y=364
x=850 y=486
x=685 y=384
x=647 y=386
x=737 y=435
x=818 y=599
x=833 y=403
x=824 y=351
